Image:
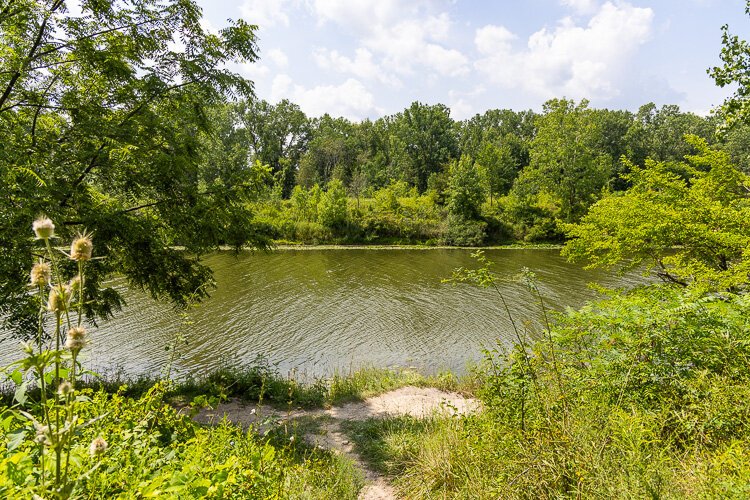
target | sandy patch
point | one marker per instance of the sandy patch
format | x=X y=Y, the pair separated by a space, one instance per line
x=415 y=401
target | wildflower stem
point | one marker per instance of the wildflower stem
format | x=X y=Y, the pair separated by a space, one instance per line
x=80 y=291
x=40 y=326
x=55 y=435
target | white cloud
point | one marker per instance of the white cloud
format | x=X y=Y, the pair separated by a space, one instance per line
x=569 y=60
x=278 y=57
x=362 y=66
x=493 y=38
x=362 y=14
x=404 y=39
x=350 y=99
x=254 y=71
x=281 y=87
x=265 y=13
x=581 y=6
x=461 y=110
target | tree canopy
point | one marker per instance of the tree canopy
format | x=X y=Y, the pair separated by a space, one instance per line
x=695 y=231
x=735 y=54
x=106 y=127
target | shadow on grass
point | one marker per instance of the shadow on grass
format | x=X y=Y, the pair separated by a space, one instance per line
x=386 y=444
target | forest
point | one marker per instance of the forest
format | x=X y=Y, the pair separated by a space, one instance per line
x=419 y=176
x=128 y=158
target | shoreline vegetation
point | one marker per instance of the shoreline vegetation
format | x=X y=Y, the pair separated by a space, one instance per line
x=303 y=246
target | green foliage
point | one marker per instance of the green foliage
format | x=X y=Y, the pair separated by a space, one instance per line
x=658 y=134
x=654 y=405
x=275 y=135
x=499 y=168
x=694 y=231
x=332 y=205
x=426 y=135
x=106 y=124
x=464 y=232
x=565 y=160
x=154 y=451
x=533 y=218
x=465 y=190
x=736 y=58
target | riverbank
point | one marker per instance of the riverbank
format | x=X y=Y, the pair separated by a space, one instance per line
x=640 y=395
x=517 y=246
x=158 y=440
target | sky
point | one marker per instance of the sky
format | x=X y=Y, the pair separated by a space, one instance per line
x=369 y=58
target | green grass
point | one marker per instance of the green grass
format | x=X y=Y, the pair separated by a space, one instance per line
x=153 y=451
x=262 y=382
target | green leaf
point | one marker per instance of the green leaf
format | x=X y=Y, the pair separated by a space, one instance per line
x=20 y=393
x=15 y=439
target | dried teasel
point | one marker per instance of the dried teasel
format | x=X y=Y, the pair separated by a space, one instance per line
x=76 y=339
x=59 y=299
x=41 y=274
x=43 y=228
x=98 y=447
x=81 y=248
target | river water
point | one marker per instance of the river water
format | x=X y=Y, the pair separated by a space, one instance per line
x=315 y=312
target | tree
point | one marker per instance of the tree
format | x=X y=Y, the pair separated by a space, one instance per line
x=277 y=136
x=659 y=133
x=736 y=71
x=105 y=128
x=495 y=126
x=332 y=205
x=357 y=185
x=427 y=136
x=465 y=190
x=695 y=232
x=565 y=160
x=331 y=148
x=500 y=165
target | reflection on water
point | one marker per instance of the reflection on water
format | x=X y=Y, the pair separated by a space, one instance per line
x=322 y=310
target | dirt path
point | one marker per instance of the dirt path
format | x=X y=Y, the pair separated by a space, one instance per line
x=415 y=401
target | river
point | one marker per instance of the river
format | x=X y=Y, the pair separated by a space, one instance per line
x=313 y=312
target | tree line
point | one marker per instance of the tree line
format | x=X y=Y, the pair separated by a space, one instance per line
x=499 y=176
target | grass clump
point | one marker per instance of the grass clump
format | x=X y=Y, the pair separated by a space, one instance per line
x=262 y=382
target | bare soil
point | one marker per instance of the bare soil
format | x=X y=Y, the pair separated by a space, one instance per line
x=414 y=401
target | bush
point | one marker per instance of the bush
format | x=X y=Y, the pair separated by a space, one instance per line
x=332 y=205
x=464 y=232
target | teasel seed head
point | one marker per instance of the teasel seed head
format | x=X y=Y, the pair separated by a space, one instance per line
x=98 y=447
x=43 y=228
x=75 y=285
x=81 y=247
x=59 y=299
x=42 y=435
x=41 y=274
x=76 y=339
x=65 y=388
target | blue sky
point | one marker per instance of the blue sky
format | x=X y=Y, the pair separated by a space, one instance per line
x=369 y=58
